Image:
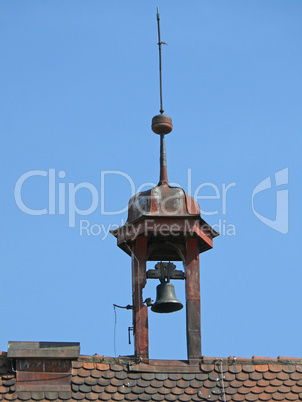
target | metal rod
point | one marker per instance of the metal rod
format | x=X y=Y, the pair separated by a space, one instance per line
x=160 y=69
x=163 y=178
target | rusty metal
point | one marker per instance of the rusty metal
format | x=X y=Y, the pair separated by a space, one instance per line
x=193 y=315
x=160 y=64
x=165 y=270
x=167 y=235
x=162 y=200
x=140 y=311
x=162 y=124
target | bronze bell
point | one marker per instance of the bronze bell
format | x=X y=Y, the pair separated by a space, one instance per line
x=166 y=301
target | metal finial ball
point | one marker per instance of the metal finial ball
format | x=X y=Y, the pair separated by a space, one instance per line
x=162 y=124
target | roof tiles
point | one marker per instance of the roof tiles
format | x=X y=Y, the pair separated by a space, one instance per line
x=256 y=379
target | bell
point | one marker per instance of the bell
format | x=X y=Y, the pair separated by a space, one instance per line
x=166 y=301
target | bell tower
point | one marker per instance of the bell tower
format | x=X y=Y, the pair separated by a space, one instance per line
x=164 y=225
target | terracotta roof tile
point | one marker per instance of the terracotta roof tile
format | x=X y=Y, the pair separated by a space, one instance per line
x=288 y=368
x=164 y=391
x=51 y=395
x=263 y=383
x=296 y=376
x=282 y=376
x=285 y=390
x=104 y=396
x=109 y=374
x=102 y=366
x=78 y=396
x=278 y=396
x=95 y=373
x=269 y=375
x=157 y=397
x=156 y=383
x=117 y=396
x=117 y=382
x=296 y=389
x=116 y=367
x=235 y=368
x=256 y=389
x=289 y=382
x=248 y=368
x=276 y=383
x=3 y=390
x=65 y=395
x=151 y=390
x=199 y=376
x=134 y=376
x=92 y=396
x=84 y=388
x=137 y=389
x=242 y=376
x=144 y=397
x=251 y=397
x=188 y=376
x=78 y=380
x=238 y=397
x=256 y=376
x=124 y=390
x=37 y=395
x=121 y=375
x=244 y=390
x=91 y=381
x=275 y=368
x=207 y=368
x=24 y=395
x=104 y=381
x=88 y=365
x=129 y=397
x=184 y=397
x=172 y=397
x=264 y=397
x=229 y=376
x=292 y=397
x=82 y=372
x=177 y=376
x=261 y=367
x=177 y=391
x=142 y=383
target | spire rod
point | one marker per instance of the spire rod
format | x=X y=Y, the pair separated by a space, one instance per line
x=161 y=123
x=160 y=69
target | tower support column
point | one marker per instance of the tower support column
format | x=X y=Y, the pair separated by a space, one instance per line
x=193 y=300
x=140 y=311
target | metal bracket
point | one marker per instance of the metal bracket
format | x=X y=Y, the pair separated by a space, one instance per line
x=165 y=270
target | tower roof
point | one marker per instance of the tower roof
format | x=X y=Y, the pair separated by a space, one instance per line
x=162 y=200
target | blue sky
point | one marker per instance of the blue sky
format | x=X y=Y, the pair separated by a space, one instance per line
x=79 y=85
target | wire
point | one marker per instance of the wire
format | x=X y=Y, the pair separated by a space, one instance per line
x=114 y=334
x=222 y=380
x=138 y=289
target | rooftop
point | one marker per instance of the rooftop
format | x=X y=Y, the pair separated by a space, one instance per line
x=124 y=378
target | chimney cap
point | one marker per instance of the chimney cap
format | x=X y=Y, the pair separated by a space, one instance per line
x=58 y=350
